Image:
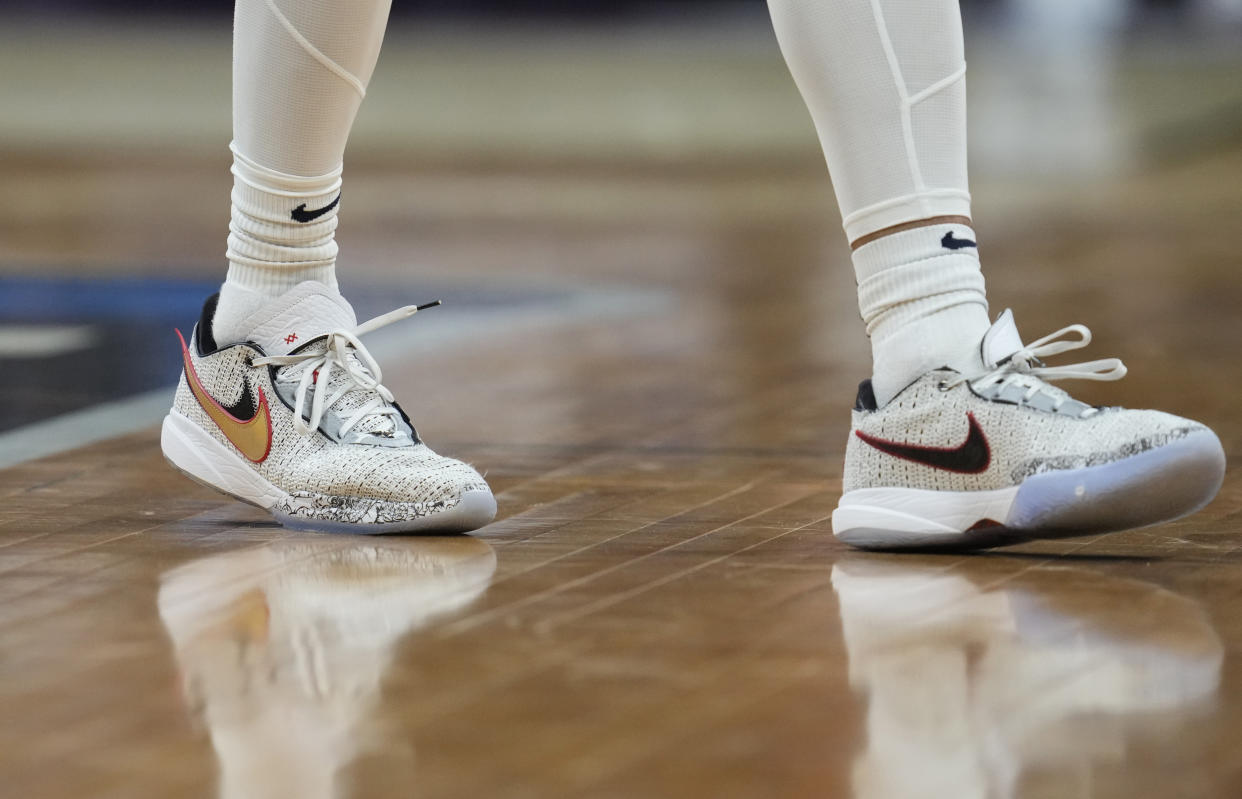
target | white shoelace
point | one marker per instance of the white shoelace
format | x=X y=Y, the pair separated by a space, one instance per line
x=1026 y=368
x=362 y=371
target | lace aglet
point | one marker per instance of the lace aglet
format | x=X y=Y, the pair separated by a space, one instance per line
x=428 y=305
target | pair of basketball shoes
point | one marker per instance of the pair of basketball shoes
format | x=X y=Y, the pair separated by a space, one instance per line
x=296 y=421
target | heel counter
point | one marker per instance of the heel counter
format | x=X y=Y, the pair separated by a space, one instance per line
x=853 y=476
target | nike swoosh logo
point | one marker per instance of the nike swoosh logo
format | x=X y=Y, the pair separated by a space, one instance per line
x=247 y=427
x=300 y=214
x=972 y=456
x=949 y=242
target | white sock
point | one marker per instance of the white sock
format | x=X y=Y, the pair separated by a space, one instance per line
x=920 y=292
x=885 y=84
x=300 y=71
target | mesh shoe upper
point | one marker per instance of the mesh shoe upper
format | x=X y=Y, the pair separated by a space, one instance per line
x=1021 y=440
x=315 y=463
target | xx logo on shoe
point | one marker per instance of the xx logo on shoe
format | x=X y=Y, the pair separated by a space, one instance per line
x=247 y=427
x=972 y=456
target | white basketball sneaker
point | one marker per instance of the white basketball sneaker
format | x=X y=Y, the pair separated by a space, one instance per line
x=295 y=421
x=1002 y=456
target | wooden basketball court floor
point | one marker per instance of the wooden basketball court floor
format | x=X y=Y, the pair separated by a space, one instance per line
x=660 y=609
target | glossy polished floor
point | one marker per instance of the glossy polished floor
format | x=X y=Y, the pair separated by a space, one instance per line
x=658 y=390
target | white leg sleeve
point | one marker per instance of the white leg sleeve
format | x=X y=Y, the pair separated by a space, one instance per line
x=885 y=84
x=300 y=71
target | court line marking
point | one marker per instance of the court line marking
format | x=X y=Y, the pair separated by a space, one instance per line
x=26 y=341
x=132 y=414
x=82 y=427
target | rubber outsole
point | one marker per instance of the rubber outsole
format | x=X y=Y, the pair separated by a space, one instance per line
x=472 y=511
x=1148 y=488
x=197 y=455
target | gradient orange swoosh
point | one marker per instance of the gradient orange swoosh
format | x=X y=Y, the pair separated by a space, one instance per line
x=253 y=436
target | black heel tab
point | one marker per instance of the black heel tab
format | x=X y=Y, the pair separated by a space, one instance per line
x=866 y=397
x=204 y=338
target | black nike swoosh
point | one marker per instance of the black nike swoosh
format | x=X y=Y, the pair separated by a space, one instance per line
x=300 y=214
x=949 y=242
x=972 y=456
x=244 y=409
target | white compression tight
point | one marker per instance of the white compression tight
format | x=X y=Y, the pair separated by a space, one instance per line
x=300 y=71
x=885 y=84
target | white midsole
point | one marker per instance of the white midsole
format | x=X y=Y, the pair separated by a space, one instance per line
x=193 y=450
x=914 y=510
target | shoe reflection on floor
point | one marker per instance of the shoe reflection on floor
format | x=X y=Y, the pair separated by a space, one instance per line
x=283 y=649
x=976 y=678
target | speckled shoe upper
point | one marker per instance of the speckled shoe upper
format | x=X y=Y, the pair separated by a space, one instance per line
x=398 y=468
x=1017 y=440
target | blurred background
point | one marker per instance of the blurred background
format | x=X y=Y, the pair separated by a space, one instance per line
x=533 y=161
x=649 y=343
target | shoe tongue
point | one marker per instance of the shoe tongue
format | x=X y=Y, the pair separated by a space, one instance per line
x=304 y=312
x=297 y=321
x=1001 y=340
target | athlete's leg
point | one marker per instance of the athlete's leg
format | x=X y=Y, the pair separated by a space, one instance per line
x=280 y=403
x=885 y=84
x=958 y=438
x=300 y=70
